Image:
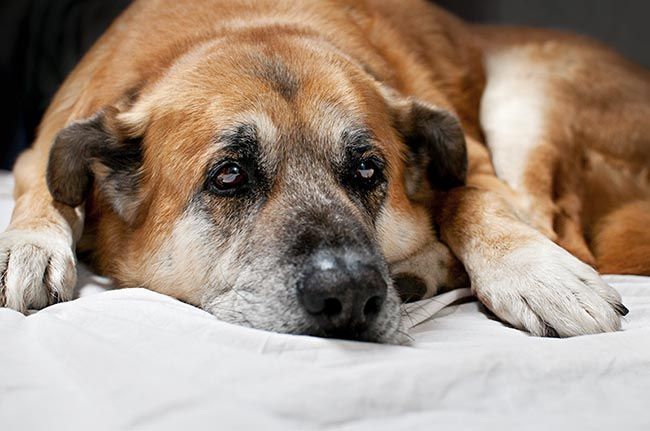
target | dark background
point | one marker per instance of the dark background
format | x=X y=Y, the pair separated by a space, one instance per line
x=42 y=40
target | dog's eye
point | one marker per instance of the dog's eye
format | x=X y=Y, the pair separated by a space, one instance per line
x=229 y=177
x=365 y=170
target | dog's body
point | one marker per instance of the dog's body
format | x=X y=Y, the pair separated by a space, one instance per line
x=241 y=155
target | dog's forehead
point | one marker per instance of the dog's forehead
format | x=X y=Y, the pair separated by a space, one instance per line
x=292 y=107
x=319 y=99
x=279 y=84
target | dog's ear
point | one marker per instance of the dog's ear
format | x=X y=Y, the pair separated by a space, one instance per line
x=97 y=151
x=435 y=142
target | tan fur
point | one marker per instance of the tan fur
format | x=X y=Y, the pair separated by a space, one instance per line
x=622 y=240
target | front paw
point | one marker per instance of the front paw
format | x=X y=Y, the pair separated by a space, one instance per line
x=546 y=291
x=37 y=268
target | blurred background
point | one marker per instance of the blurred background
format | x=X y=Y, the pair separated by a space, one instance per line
x=42 y=40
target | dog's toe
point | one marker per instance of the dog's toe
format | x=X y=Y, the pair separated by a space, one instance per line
x=546 y=291
x=37 y=269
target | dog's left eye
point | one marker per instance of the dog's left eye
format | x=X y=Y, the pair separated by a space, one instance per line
x=365 y=170
x=365 y=174
x=229 y=177
x=365 y=177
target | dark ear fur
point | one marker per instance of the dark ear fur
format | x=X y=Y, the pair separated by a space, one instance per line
x=436 y=146
x=96 y=151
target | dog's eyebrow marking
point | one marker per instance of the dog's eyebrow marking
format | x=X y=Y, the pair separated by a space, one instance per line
x=261 y=124
x=357 y=138
x=241 y=139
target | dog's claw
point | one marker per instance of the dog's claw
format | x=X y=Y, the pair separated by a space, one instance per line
x=621 y=309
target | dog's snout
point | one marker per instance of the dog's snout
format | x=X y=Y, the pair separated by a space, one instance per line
x=344 y=300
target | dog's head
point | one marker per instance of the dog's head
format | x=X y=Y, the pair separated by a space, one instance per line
x=272 y=183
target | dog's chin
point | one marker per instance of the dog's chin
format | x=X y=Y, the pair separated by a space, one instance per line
x=244 y=309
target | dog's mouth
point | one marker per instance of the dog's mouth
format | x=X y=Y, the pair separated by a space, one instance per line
x=348 y=301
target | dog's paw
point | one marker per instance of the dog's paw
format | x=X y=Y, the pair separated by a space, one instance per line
x=546 y=291
x=37 y=269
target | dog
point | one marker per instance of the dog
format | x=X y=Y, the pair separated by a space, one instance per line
x=303 y=167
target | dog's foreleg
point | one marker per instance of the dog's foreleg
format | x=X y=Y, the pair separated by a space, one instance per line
x=521 y=275
x=530 y=149
x=37 y=261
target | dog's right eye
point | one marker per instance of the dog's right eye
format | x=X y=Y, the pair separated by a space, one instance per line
x=229 y=177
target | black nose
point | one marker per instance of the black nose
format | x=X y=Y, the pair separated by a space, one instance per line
x=343 y=299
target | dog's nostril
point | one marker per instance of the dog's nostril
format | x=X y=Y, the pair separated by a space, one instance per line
x=332 y=307
x=373 y=306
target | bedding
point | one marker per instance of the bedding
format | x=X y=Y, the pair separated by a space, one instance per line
x=134 y=359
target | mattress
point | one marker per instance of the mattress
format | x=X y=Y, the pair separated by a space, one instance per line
x=134 y=359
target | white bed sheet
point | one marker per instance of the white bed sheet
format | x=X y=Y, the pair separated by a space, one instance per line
x=135 y=359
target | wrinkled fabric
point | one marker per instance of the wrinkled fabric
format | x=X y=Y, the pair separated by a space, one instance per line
x=135 y=359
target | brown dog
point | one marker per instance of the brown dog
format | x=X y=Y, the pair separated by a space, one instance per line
x=279 y=163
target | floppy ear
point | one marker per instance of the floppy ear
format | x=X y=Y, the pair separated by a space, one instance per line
x=96 y=151
x=435 y=144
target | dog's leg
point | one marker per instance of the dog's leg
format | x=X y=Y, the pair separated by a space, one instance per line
x=522 y=276
x=534 y=154
x=37 y=262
